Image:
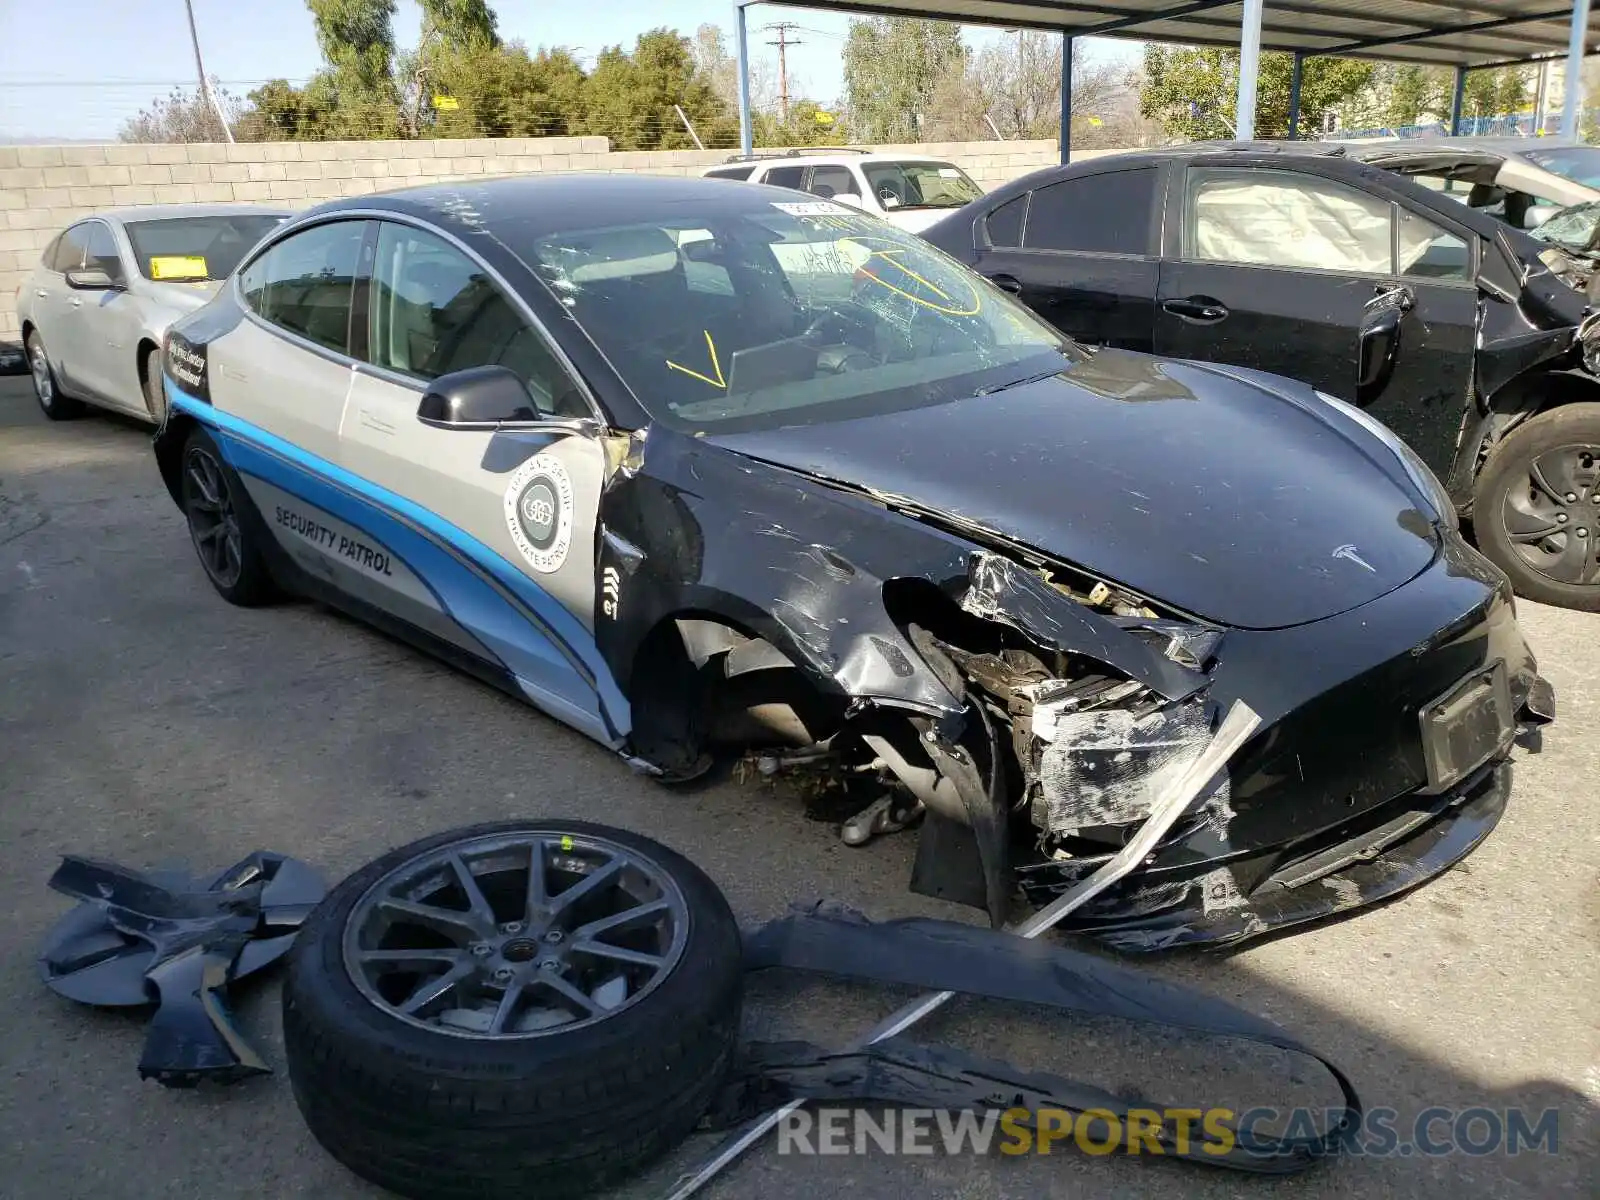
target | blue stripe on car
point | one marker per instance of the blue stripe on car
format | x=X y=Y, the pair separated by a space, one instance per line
x=536 y=638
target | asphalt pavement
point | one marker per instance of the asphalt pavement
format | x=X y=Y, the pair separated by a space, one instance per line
x=144 y=720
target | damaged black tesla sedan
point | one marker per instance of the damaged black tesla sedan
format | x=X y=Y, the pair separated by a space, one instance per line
x=694 y=466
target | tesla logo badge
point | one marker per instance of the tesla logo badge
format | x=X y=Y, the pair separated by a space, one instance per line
x=1349 y=552
x=611 y=587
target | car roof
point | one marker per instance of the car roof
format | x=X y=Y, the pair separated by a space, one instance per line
x=533 y=205
x=168 y=212
x=1502 y=146
x=843 y=157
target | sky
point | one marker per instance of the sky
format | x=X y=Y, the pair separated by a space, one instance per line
x=88 y=65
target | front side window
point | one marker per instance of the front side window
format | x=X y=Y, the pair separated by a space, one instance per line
x=101 y=253
x=1109 y=213
x=1428 y=252
x=433 y=310
x=196 y=248
x=1284 y=219
x=832 y=180
x=305 y=282
x=920 y=184
x=70 y=248
x=1576 y=228
x=828 y=313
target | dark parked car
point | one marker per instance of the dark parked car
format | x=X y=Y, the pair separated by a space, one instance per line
x=1434 y=317
x=689 y=463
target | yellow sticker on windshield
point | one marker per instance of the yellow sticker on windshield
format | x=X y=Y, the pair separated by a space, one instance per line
x=178 y=266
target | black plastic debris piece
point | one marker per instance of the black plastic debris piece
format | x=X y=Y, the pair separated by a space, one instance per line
x=177 y=942
x=935 y=955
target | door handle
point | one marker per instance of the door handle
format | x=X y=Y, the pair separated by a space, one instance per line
x=1201 y=310
x=75 y=302
x=1007 y=283
x=41 y=293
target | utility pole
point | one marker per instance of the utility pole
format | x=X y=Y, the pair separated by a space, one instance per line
x=783 y=43
x=200 y=67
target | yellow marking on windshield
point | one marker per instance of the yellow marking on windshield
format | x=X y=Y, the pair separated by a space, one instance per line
x=889 y=256
x=178 y=266
x=716 y=365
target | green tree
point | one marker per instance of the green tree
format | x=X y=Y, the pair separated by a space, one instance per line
x=504 y=92
x=1192 y=91
x=356 y=38
x=1416 y=92
x=630 y=97
x=459 y=24
x=891 y=67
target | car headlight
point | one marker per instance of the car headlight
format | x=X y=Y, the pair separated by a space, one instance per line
x=1416 y=470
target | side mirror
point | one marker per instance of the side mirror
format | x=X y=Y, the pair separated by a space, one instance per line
x=90 y=279
x=1380 y=347
x=848 y=199
x=1538 y=215
x=476 y=398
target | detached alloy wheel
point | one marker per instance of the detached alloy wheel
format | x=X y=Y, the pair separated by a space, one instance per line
x=219 y=526
x=1537 y=507
x=46 y=390
x=525 y=1009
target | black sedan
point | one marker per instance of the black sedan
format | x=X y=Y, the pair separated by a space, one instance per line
x=692 y=465
x=1431 y=315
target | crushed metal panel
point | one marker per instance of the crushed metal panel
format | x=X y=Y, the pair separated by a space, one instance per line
x=1001 y=590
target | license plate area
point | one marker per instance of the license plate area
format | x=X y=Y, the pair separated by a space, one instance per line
x=1467 y=726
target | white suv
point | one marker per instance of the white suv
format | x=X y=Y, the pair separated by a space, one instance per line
x=911 y=191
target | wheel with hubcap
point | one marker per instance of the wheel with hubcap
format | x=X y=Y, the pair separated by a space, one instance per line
x=218 y=524
x=1536 y=508
x=56 y=405
x=531 y=1008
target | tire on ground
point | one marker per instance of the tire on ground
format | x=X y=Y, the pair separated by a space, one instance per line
x=428 y=1114
x=1507 y=468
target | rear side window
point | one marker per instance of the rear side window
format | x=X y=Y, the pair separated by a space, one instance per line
x=70 y=248
x=1004 y=225
x=433 y=311
x=1107 y=213
x=789 y=177
x=731 y=172
x=305 y=282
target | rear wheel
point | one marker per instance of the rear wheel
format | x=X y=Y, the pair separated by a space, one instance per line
x=213 y=502
x=56 y=405
x=1536 y=507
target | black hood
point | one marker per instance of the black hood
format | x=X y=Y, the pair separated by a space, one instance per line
x=1195 y=488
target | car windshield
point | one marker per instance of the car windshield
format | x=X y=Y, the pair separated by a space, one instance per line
x=920 y=184
x=194 y=249
x=793 y=313
x=1572 y=228
x=1581 y=164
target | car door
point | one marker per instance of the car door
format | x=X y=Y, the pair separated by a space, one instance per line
x=1290 y=272
x=1082 y=253
x=111 y=326
x=277 y=376
x=57 y=309
x=519 y=504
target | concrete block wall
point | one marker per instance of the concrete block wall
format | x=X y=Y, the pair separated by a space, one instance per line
x=45 y=188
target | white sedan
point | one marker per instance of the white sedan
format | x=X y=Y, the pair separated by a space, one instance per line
x=97 y=306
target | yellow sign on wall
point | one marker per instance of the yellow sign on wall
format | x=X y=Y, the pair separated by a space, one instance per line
x=446 y=103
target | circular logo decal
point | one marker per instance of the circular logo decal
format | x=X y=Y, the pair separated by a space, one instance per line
x=539 y=511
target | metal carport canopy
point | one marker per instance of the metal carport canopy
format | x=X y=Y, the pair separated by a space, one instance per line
x=1480 y=33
